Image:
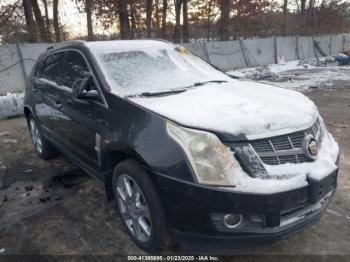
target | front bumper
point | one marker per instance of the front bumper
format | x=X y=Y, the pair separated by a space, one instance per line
x=266 y=217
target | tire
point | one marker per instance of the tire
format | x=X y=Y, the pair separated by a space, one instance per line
x=41 y=145
x=137 y=221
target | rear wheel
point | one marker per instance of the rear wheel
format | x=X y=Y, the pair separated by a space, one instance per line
x=41 y=145
x=139 y=206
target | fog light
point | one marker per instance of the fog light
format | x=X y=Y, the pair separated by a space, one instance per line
x=232 y=220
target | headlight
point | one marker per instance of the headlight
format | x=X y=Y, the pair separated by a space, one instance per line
x=212 y=162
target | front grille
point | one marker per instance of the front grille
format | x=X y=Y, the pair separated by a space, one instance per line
x=286 y=148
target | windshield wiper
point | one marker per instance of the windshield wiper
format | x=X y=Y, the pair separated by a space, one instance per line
x=163 y=93
x=175 y=91
x=207 y=82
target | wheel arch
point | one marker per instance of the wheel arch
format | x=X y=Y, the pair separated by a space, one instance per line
x=27 y=111
x=112 y=157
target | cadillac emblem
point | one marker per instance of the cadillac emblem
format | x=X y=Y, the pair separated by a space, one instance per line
x=310 y=146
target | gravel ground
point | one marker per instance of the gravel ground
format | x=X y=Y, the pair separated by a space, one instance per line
x=51 y=207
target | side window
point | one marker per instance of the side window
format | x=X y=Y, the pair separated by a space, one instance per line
x=75 y=69
x=52 y=69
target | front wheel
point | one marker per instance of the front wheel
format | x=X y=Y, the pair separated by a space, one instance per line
x=139 y=206
x=42 y=147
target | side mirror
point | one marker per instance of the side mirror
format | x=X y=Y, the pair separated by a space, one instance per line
x=82 y=89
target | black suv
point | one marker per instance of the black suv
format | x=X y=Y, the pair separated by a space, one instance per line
x=187 y=152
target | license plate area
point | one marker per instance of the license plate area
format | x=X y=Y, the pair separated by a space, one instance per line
x=320 y=188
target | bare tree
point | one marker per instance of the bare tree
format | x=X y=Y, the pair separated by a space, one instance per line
x=40 y=21
x=7 y=12
x=149 y=10
x=30 y=23
x=124 y=19
x=133 y=17
x=209 y=17
x=177 y=31
x=185 y=30
x=164 y=17
x=47 y=20
x=88 y=10
x=157 y=15
x=302 y=6
x=285 y=7
x=55 y=21
x=224 y=20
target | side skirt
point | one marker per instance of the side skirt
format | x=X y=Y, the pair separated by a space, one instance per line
x=85 y=167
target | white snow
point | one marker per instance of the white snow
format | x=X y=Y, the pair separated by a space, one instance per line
x=289 y=176
x=11 y=105
x=134 y=67
x=321 y=167
x=99 y=47
x=262 y=72
x=236 y=107
x=297 y=75
x=334 y=212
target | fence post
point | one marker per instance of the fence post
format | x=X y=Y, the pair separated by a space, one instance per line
x=297 y=47
x=243 y=51
x=204 y=50
x=19 y=51
x=330 y=45
x=275 y=48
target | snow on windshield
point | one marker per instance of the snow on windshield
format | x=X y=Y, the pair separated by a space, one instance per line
x=153 y=70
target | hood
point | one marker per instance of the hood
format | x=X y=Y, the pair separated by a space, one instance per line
x=238 y=108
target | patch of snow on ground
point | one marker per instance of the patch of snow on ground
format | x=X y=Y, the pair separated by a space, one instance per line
x=268 y=71
x=297 y=75
x=11 y=105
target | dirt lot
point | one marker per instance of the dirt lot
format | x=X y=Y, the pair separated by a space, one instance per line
x=51 y=207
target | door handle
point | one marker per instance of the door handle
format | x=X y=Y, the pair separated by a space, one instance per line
x=58 y=104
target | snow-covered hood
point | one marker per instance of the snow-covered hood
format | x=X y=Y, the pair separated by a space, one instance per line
x=237 y=108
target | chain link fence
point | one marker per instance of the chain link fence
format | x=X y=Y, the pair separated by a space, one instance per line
x=251 y=52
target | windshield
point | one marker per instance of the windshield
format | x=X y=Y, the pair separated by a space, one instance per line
x=153 y=70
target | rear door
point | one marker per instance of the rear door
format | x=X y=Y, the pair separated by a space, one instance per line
x=45 y=83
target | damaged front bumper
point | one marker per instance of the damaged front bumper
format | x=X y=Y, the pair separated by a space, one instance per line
x=194 y=212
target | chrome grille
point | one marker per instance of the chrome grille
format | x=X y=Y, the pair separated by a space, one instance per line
x=286 y=148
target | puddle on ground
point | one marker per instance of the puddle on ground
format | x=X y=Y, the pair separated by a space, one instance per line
x=50 y=190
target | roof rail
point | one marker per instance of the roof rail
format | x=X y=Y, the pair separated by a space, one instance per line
x=60 y=44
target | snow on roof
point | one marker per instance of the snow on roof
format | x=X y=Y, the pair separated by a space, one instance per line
x=126 y=45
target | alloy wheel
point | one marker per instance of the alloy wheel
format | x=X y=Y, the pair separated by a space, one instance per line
x=133 y=208
x=34 y=131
